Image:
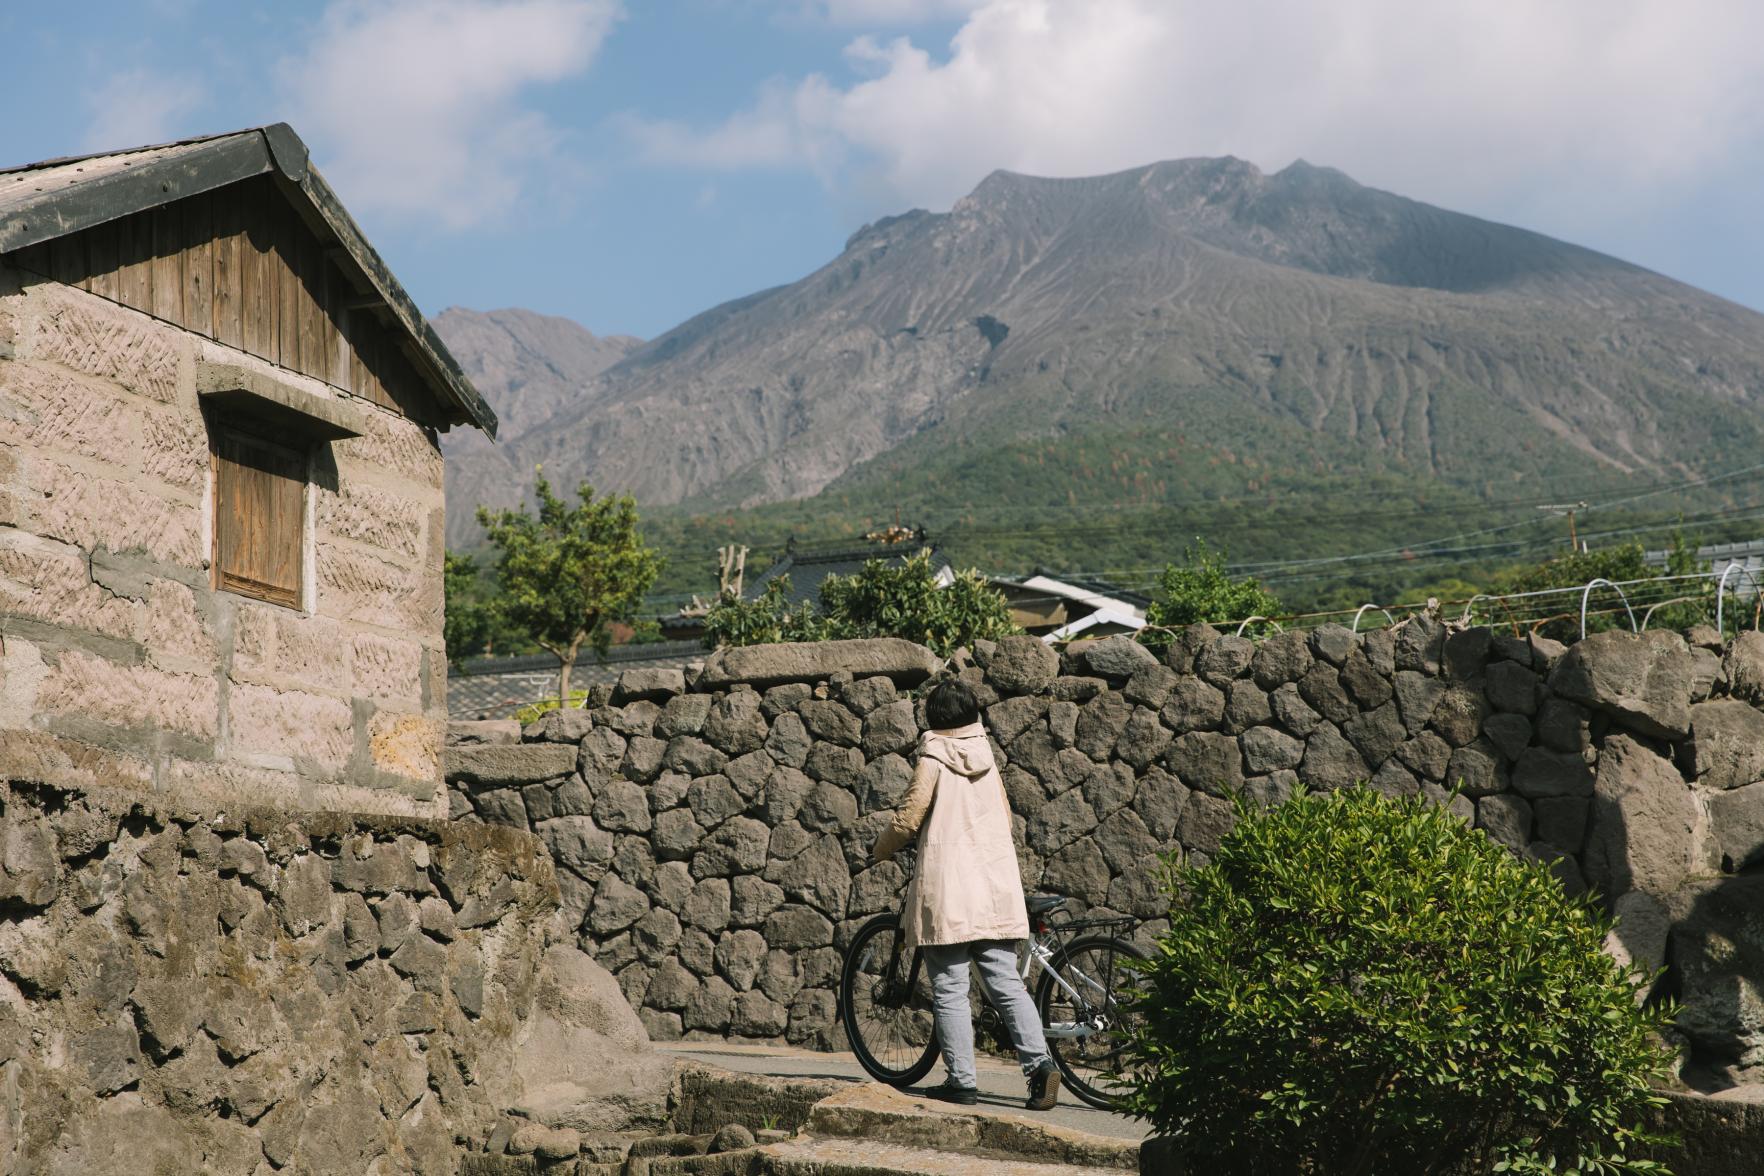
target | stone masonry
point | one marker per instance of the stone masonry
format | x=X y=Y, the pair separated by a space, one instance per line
x=120 y=665
x=261 y=991
x=711 y=837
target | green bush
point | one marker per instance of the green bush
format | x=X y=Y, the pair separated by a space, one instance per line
x=1199 y=590
x=1693 y=601
x=1356 y=985
x=531 y=712
x=881 y=600
x=765 y=620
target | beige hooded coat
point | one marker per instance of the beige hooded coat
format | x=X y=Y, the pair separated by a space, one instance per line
x=967 y=886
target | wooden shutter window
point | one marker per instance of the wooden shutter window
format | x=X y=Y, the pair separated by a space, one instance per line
x=259 y=517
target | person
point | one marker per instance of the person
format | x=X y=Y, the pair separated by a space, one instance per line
x=965 y=902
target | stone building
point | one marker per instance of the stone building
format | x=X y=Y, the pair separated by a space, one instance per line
x=220 y=486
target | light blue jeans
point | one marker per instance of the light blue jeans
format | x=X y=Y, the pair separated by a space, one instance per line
x=996 y=959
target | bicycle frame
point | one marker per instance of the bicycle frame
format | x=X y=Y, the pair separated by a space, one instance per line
x=1040 y=954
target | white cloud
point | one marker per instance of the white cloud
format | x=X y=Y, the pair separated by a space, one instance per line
x=1558 y=107
x=136 y=107
x=887 y=13
x=413 y=107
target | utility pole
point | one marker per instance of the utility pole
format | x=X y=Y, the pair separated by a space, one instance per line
x=1567 y=508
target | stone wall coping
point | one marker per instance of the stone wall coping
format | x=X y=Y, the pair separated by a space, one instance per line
x=905 y=662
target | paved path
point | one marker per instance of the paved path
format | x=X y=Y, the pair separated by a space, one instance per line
x=1001 y=1083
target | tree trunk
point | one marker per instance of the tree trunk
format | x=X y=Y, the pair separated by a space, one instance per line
x=566 y=664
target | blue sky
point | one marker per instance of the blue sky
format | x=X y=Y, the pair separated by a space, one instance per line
x=630 y=164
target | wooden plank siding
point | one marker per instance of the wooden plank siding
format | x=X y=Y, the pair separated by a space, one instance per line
x=259 y=520
x=240 y=266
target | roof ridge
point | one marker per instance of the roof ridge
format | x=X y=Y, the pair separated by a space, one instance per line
x=63 y=160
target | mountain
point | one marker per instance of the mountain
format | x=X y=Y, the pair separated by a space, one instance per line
x=1052 y=352
x=527 y=365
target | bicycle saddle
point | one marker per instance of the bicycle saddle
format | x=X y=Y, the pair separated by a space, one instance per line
x=1041 y=904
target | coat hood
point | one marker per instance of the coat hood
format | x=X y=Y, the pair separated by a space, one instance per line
x=963 y=750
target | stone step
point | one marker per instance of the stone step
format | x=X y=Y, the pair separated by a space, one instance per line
x=876 y=1114
x=811 y=1156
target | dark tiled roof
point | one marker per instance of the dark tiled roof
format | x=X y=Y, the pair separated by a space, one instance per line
x=808 y=567
x=496 y=687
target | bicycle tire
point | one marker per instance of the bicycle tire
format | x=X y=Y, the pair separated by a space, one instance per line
x=887 y=1064
x=1080 y=1073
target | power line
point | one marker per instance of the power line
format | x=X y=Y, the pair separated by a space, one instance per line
x=1434 y=558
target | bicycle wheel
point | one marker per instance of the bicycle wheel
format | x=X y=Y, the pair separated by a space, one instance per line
x=1086 y=1027
x=885 y=1004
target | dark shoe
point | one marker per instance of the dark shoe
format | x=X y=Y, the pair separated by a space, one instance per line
x=1044 y=1087
x=947 y=1091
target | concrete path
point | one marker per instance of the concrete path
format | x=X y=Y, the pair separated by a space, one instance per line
x=1001 y=1083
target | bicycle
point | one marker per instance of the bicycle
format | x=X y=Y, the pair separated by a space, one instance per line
x=885 y=999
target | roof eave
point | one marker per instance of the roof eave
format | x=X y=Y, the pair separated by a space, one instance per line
x=426 y=346
x=57 y=213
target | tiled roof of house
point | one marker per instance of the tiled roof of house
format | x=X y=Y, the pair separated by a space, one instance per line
x=496 y=687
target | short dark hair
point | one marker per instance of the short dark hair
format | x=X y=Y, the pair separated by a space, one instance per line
x=952 y=704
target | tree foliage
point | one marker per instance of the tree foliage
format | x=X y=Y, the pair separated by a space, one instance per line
x=1605 y=608
x=882 y=600
x=764 y=620
x=466 y=617
x=568 y=572
x=1199 y=589
x=474 y=624
x=1356 y=985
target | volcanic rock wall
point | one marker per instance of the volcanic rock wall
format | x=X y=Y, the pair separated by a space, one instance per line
x=712 y=840
x=181 y=992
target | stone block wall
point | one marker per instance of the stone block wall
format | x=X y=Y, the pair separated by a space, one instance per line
x=711 y=840
x=181 y=992
x=120 y=664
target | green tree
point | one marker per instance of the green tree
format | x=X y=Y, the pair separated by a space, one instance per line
x=569 y=572
x=1199 y=589
x=881 y=600
x=1605 y=608
x=905 y=600
x=764 y=620
x=1355 y=986
x=470 y=620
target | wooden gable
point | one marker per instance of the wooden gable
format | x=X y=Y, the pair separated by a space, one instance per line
x=240 y=265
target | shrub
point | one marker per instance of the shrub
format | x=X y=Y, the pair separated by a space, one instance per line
x=882 y=600
x=1360 y=985
x=765 y=620
x=906 y=600
x=531 y=712
x=1199 y=590
x=1692 y=601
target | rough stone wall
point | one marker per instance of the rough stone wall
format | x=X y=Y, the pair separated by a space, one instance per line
x=120 y=665
x=185 y=992
x=711 y=842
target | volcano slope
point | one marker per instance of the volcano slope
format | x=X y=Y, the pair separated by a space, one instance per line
x=1054 y=356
